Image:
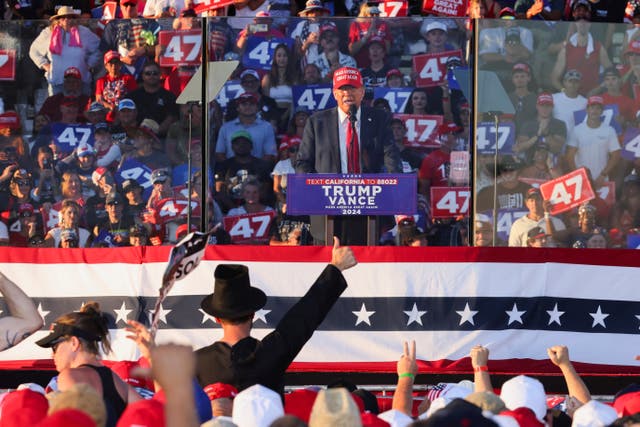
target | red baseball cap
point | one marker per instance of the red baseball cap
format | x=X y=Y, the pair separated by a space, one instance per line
x=545 y=99
x=347 y=76
x=394 y=72
x=521 y=66
x=146 y=412
x=329 y=26
x=25 y=208
x=110 y=55
x=181 y=231
x=72 y=72
x=23 y=407
x=595 y=100
x=248 y=96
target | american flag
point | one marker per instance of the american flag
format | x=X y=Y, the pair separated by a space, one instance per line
x=516 y=302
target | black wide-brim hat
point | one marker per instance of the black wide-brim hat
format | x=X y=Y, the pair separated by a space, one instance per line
x=233 y=296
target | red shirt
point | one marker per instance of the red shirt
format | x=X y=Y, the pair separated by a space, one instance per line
x=357 y=30
x=113 y=89
x=589 y=66
x=435 y=167
x=626 y=105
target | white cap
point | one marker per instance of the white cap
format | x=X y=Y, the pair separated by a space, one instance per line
x=523 y=391
x=594 y=414
x=257 y=406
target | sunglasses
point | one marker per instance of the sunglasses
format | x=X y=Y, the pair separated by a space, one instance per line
x=151 y=73
x=22 y=182
x=56 y=344
x=293 y=149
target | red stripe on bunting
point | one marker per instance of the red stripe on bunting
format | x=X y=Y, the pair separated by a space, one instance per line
x=462 y=367
x=364 y=254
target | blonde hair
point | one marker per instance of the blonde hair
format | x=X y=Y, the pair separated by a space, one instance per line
x=82 y=397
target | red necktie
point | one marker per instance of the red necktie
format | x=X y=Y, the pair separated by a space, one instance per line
x=353 y=147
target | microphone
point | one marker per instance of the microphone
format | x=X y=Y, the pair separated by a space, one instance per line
x=352 y=113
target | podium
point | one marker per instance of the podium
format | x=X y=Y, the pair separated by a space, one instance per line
x=349 y=201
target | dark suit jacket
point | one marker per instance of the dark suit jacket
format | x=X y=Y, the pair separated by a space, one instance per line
x=251 y=361
x=320 y=152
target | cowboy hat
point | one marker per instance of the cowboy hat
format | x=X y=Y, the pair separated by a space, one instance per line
x=65 y=11
x=233 y=296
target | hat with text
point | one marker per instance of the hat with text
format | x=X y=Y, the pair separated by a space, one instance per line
x=595 y=100
x=521 y=67
x=25 y=210
x=394 y=72
x=347 y=76
x=110 y=55
x=84 y=150
x=633 y=48
x=545 y=99
x=72 y=72
x=328 y=27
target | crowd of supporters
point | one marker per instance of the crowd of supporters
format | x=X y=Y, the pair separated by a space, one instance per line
x=96 y=150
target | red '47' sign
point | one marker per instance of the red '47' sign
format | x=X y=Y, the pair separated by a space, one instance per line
x=567 y=191
x=431 y=68
x=391 y=8
x=446 y=7
x=450 y=202
x=180 y=47
x=7 y=64
x=421 y=130
x=249 y=228
x=204 y=5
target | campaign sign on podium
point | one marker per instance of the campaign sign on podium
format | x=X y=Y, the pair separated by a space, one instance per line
x=346 y=194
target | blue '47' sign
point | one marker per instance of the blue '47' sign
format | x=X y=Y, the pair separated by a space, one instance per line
x=68 y=137
x=259 y=51
x=313 y=97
